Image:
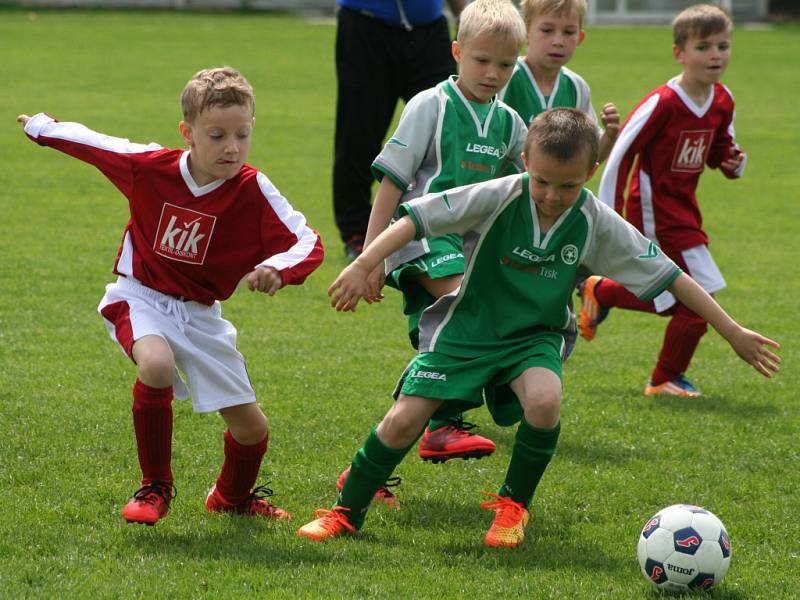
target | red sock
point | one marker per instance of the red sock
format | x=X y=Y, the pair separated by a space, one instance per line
x=611 y=294
x=240 y=469
x=681 y=338
x=152 y=422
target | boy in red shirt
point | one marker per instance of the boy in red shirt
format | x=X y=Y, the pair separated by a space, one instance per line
x=666 y=141
x=201 y=221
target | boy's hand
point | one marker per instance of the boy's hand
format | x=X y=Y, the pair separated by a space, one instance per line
x=609 y=116
x=732 y=164
x=264 y=279
x=751 y=348
x=375 y=281
x=349 y=287
x=23 y=119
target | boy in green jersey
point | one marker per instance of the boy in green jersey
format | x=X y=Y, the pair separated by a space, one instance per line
x=498 y=335
x=453 y=134
x=541 y=79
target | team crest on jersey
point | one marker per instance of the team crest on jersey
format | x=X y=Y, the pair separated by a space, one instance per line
x=569 y=254
x=183 y=234
x=692 y=150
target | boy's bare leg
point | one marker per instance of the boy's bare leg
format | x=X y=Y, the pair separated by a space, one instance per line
x=539 y=393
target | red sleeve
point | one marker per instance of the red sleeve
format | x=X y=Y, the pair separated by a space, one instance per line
x=293 y=248
x=639 y=129
x=114 y=157
x=724 y=145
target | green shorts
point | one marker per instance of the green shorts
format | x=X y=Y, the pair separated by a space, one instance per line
x=463 y=383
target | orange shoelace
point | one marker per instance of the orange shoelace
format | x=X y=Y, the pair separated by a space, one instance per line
x=509 y=512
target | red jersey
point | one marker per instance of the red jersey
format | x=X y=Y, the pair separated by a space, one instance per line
x=186 y=240
x=667 y=140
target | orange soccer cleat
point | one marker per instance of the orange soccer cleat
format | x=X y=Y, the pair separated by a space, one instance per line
x=327 y=524
x=510 y=520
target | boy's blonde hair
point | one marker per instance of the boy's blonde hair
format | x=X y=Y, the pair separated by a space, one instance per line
x=564 y=134
x=701 y=21
x=533 y=8
x=495 y=17
x=220 y=86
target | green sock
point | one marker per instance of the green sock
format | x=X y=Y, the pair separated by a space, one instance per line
x=371 y=467
x=435 y=424
x=533 y=449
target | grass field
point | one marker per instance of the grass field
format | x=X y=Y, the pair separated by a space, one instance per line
x=67 y=457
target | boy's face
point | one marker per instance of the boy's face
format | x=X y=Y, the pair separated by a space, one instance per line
x=555 y=185
x=219 y=140
x=553 y=39
x=704 y=59
x=485 y=64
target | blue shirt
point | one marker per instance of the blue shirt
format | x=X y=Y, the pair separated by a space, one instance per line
x=418 y=12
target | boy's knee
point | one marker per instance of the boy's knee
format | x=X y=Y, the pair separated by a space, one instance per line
x=156 y=370
x=542 y=408
x=251 y=430
x=400 y=428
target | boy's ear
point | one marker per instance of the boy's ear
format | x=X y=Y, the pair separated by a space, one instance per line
x=581 y=37
x=186 y=132
x=592 y=171
x=455 y=50
x=677 y=53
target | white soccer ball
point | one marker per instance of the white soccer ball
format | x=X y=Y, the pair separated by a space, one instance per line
x=684 y=547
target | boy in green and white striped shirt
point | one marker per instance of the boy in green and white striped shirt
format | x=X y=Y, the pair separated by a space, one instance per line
x=498 y=335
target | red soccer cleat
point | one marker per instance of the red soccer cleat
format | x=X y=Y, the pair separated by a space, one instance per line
x=256 y=504
x=149 y=504
x=454 y=441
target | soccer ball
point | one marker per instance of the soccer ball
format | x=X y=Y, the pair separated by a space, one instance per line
x=684 y=547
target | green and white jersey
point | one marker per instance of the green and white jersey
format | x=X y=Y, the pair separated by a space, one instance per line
x=442 y=142
x=518 y=278
x=523 y=94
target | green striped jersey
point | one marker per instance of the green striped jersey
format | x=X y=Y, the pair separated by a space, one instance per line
x=518 y=278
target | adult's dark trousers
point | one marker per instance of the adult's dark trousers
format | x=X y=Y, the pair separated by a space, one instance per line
x=376 y=64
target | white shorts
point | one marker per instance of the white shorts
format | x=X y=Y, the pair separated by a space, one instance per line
x=203 y=343
x=702 y=269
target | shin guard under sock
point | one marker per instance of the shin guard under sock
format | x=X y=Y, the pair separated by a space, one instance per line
x=152 y=423
x=533 y=449
x=240 y=469
x=372 y=466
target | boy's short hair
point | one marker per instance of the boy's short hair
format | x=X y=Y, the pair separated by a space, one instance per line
x=533 y=8
x=220 y=86
x=564 y=133
x=495 y=17
x=700 y=20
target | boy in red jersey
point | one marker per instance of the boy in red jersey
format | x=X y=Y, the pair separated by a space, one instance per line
x=201 y=221
x=667 y=140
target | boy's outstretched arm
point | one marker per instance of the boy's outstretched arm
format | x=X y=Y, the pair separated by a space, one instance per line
x=23 y=119
x=383 y=209
x=351 y=283
x=609 y=117
x=751 y=346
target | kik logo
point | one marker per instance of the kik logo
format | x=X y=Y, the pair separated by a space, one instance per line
x=183 y=234
x=691 y=151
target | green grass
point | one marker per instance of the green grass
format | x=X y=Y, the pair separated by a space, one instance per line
x=67 y=457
